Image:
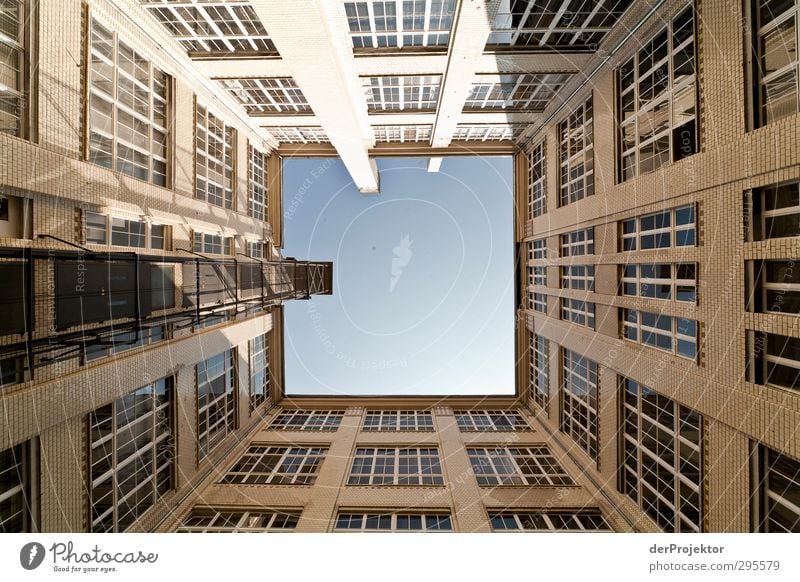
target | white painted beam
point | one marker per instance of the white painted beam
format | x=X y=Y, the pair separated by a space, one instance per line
x=434 y=164
x=471 y=29
x=314 y=42
x=427 y=64
x=417 y=118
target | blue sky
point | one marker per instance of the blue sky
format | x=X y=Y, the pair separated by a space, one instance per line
x=423 y=292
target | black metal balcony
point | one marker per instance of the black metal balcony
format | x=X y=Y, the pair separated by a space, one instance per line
x=57 y=303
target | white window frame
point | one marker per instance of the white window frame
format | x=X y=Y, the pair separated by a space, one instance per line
x=633 y=325
x=637 y=459
x=240 y=520
x=217 y=189
x=294 y=465
x=260 y=374
x=398 y=421
x=577 y=243
x=578 y=277
x=257 y=183
x=384 y=464
x=579 y=402
x=224 y=402
x=25 y=459
x=671 y=97
x=490 y=421
x=145 y=127
x=632 y=232
x=638 y=281
x=375 y=521
x=401 y=92
x=537 y=181
x=297 y=419
x=576 y=164
x=158 y=422
x=504 y=466
x=578 y=312
x=540 y=371
x=385 y=24
x=554 y=520
x=212 y=244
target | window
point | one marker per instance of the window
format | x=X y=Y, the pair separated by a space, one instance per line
x=264 y=96
x=663 y=332
x=396 y=466
x=773 y=287
x=160 y=237
x=255 y=249
x=775 y=59
x=127 y=233
x=402 y=133
x=212 y=244
x=215 y=159
x=129 y=114
x=661 y=451
x=489 y=420
x=656 y=100
x=298 y=134
x=15 y=42
x=519 y=92
x=539 y=276
x=537 y=249
x=670 y=282
x=538 y=302
x=132 y=451
x=411 y=522
x=772 y=212
x=259 y=371
x=96 y=228
x=12 y=371
x=380 y=24
x=208 y=520
x=216 y=401
x=660 y=230
x=531 y=24
x=777 y=488
x=576 y=155
x=539 y=370
x=401 y=93
x=577 y=243
x=578 y=277
x=257 y=200
x=307 y=420
x=489 y=132
x=398 y=420
x=580 y=312
x=19 y=488
x=550 y=520
x=533 y=466
x=774 y=360
x=208 y=29
x=537 y=191
x=272 y=465
x=579 y=401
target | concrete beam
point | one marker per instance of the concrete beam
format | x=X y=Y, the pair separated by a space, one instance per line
x=313 y=39
x=426 y=64
x=471 y=29
x=467 y=118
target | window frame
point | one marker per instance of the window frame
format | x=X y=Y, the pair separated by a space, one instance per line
x=633 y=449
x=298 y=419
x=673 y=282
x=577 y=125
x=672 y=231
x=576 y=240
x=227 y=401
x=376 y=517
x=522 y=518
x=273 y=516
x=512 y=460
x=539 y=371
x=161 y=445
x=385 y=466
x=489 y=421
x=116 y=106
x=398 y=421
x=28 y=486
x=578 y=311
x=205 y=125
x=637 y=329
x=302 y=464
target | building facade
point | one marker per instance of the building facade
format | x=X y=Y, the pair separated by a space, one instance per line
x=657 y=196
